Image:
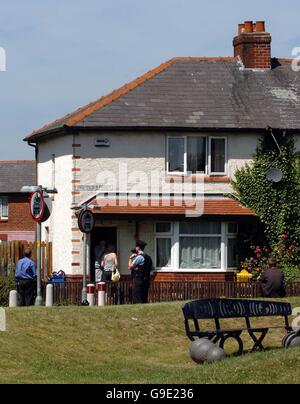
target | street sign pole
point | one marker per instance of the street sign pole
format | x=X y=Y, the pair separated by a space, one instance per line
x=86 y=223
x=39 y=297
x=84 y=279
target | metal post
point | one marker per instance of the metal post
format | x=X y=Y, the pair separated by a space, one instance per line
x=39 y=298
x=84 y=279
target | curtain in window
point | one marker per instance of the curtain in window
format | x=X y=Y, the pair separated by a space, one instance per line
x=176 y=154
x=200 y=252
x=232 y=253
x=218 y=155
x=163 y=252
x=196 y=152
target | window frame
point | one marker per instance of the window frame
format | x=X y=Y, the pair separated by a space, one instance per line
x=175 y=249
x=210 y=172
x=4 y=198
x=203 y=235
x=157 y=236
x=185 y=169
x=208 y=157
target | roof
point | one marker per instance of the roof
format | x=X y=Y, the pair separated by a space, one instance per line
x=195 y=93
x=212 y=207
x=15 y=174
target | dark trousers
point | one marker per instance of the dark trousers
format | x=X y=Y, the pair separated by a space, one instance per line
x=26 y=290
x=140 y=291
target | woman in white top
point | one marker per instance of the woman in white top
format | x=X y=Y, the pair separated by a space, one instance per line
x=109 y=263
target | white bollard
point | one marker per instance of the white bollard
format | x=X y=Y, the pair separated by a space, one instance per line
x=91 y=294
x=49 y=295
x=101 y=294
x=13 y=298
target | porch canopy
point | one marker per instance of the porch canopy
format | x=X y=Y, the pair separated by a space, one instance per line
x=219 y=207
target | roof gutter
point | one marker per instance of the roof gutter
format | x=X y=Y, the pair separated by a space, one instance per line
x=36 y=152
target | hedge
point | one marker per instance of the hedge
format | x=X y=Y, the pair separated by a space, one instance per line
x=6 y=285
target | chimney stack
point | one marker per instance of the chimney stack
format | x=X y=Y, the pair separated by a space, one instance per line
x=253 y=45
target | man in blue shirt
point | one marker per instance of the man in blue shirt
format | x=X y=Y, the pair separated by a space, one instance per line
x=140 y=265
x=26 y=279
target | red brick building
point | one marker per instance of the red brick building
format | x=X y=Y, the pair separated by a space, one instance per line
x=15 y=220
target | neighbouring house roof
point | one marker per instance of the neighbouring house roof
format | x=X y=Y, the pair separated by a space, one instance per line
x=195 y=93
x=213 y=207
x=15 y=174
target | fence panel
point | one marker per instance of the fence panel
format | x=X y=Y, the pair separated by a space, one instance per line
x=11 y=252
x=69 y=293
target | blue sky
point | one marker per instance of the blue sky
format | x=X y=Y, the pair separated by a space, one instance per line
x=62 y=54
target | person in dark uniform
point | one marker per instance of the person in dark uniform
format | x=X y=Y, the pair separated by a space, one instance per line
x=140 y=265
x=26 y=279
x=272 y=281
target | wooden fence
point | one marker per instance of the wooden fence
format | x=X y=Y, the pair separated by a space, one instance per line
x=11 y=252
x=69 y=293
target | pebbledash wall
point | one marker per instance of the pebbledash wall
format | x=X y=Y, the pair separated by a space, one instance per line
x=72 y=160
x=19 y=225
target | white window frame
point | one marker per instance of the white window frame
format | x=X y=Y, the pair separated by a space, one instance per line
x=3 y=198
x=210 y=172
x=228 y=237
x=185 y=170
x=165 y=233
x=175 y=249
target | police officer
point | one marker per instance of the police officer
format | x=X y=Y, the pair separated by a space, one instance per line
x=140 y=266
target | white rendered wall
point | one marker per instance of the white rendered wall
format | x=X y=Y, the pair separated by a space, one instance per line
x=60 y=223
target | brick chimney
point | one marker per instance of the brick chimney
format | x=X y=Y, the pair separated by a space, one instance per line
x=253 y=45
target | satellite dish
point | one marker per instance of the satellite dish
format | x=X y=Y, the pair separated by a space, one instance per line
x=274 y=175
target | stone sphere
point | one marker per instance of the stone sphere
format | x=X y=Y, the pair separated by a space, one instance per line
x=199 y=349
x=215 y=354
x=295 y=342
x=288 y=338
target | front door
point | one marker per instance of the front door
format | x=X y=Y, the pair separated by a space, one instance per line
x=110 y=235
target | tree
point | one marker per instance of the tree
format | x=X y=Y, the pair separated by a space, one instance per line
x=276 y=205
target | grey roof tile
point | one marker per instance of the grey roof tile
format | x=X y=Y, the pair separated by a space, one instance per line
x=15 y=174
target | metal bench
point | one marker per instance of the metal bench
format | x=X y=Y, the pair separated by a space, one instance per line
x=218 y=309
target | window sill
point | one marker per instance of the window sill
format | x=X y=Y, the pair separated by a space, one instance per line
x=3 y=220
x=198 y=178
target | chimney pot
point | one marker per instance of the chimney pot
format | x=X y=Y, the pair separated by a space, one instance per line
x=248 y=27
x=241 y=29
x=253 y=45
x=260 y=26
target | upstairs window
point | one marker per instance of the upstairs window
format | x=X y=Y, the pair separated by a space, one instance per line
x=217 y=155
x=3 y=207
x=197 y=155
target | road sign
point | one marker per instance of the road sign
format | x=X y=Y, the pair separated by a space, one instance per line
x=37 y=206
x=48 y=207
x=86 y=221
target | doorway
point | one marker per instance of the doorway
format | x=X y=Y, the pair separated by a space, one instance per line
x=110 y=235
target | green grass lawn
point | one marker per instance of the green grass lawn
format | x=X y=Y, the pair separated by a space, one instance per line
x=127 y=344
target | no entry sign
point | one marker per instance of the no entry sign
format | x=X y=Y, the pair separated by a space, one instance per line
x=37 y=206
x=86 y=221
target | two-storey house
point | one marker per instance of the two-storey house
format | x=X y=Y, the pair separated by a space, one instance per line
x=15 y=220
x=154 y=159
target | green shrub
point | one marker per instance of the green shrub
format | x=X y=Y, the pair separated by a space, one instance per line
x=6 y=285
